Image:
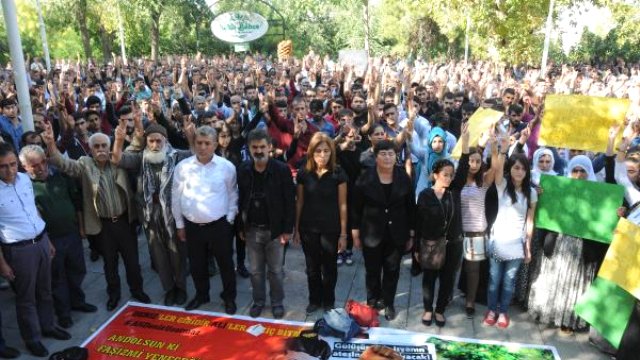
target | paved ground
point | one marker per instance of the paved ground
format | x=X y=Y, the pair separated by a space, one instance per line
x=350 y=285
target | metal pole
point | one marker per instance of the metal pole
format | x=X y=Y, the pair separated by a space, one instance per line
x=43 y=35
x=466 y=38
x=121 y=34
x=17 y=61
x=547 y=38
x=367 y=30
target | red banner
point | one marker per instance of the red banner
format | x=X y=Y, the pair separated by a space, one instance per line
x=156 y=333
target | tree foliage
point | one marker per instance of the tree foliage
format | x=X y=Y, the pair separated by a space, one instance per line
x=502 y=30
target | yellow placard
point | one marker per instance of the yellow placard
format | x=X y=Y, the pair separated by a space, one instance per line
x=580 y=122
x=622 y=262
x=479 y=122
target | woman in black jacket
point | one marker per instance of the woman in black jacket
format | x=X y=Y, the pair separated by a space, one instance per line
x=438 y=220
x=383 y=213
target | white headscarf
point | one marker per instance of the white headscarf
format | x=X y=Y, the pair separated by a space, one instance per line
x=584 y=162
x=537 y=172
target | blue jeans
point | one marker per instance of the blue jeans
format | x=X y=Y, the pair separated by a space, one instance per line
x=502 y=281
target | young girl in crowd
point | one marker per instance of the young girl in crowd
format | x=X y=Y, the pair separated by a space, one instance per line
x=438 y=220
x=436 y=151
x=477 y=179
x=510 y=240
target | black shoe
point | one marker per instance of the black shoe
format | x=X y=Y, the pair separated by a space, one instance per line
x=37 y=349
x=141 y=296
x=57 y=334
x=470 y=312
x=170 y=297
x=9 y=352
x=94 y=256
x=255 y=310
x=426 y=322
x=243 y=272
x=180 y=296
x=438 y=322
x=65 y=322
x=379 y=305
x=112 y=303
x=278 y=312
x=85 y=307
x=196 y=302
x=390 y=313
x=311 y=308
x=230 y=307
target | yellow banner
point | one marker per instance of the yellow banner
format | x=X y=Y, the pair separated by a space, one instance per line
x=622 y=262
x=580 y=122
x=479 y=122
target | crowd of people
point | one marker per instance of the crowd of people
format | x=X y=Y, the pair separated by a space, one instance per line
x=226 y=155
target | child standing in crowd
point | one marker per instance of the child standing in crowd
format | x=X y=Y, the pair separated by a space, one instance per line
x=510 y=239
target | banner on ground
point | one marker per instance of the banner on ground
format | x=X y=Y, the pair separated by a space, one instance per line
x=480 y=122
x=622 y=263
x=584 y=209
x=154 y=332
x=607 y=307
x=580 y=122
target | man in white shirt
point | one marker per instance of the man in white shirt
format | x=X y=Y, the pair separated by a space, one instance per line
x=26 y=255
x=204 y=205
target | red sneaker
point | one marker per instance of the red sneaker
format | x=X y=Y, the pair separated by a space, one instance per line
x=489 y=318
x=503 y=321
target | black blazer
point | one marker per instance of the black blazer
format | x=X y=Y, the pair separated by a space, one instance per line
x=280 y=193
x=372 y=213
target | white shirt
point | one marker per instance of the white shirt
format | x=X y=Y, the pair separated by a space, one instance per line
x=203 y=193
x=511 y=218
x=19 y=218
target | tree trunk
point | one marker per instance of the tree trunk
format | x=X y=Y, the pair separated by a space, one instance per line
x=155 y=33
x=81 y=13
x=106 y=38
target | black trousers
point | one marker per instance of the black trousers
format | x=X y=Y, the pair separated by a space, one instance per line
x=241 y=251
x=67 y=271
x=119 y=238
x=382 y=265
x=219 y=236
x=447 y=277
x=321 y=255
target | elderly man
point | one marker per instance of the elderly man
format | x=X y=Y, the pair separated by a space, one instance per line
x=26 y=255
x=155 y=166
x=58 y=202
x=108 y=211
x=204 y=205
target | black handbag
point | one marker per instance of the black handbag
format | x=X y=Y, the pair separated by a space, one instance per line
x=433 y=253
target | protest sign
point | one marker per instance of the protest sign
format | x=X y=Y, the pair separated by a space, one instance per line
x=607 y=307
x=154 y=332
x=580 y=122
x=151 y=332
x=622 y=263
x=479 y=122
x=358 y=58
x=580 y=208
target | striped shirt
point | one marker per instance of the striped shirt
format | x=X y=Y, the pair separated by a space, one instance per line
x=472 y=205
x=111 y=201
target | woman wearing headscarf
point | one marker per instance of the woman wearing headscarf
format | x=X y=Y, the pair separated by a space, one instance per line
x=543 y=163
x=437 y=150
x=566 y=271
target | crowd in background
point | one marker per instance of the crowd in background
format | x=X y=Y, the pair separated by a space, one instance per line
x=223 y=157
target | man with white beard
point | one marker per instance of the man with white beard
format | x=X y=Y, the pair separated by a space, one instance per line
x=155 y=165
